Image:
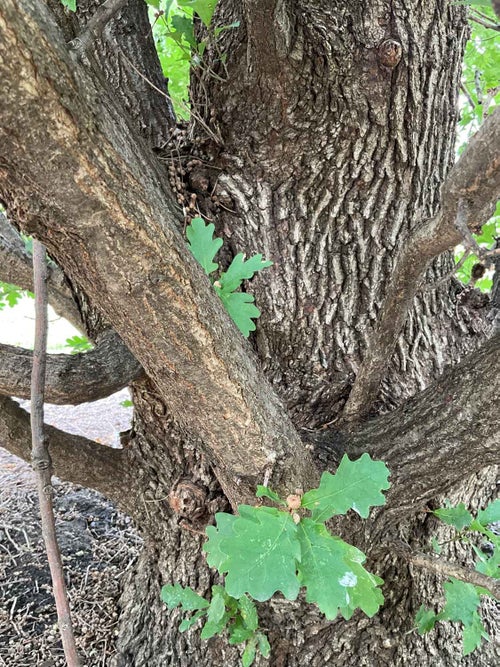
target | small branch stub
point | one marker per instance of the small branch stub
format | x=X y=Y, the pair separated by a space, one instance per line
x=389 y=53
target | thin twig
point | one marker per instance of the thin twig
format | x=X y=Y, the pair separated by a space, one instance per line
x=486 y=24
x=478 y=12
x=447 y=569
x=465 y=91
x=93 y=30
x=196 y=116
x=41 y=458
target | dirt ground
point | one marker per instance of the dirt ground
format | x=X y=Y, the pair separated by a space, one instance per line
x=98 y=544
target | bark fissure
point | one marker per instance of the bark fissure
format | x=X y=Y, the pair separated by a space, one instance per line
x=344 y=166
x=325 y=168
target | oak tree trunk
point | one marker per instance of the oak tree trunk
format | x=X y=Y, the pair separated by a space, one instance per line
x=331 y=130
x=329 y=157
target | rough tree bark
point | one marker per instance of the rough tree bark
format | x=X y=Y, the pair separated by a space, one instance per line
x=331 y=136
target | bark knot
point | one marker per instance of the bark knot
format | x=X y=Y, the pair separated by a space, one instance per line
x=188 y=500
x=389 y=53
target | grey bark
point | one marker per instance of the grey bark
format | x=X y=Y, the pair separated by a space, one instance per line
x=74 y=458
x=72 y=379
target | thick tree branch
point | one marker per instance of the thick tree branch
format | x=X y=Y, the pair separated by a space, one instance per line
x=438 y=438
x=15 y=268
x=474 y=181
x=74 y=458
x=72 y=379
x=109 y=220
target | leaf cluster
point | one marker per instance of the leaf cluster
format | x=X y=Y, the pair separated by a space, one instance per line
x=10 y=295
x=224 y=613
x=462 y=600
x=264 y=550
x=177 y=45
x=239 y=305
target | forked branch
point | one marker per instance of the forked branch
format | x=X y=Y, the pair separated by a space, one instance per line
x=440 y=437
x=94 y=28
x=469 y=197
x=106 y=201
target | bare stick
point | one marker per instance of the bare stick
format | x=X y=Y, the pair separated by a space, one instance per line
x=476 y=17
x=41 y=458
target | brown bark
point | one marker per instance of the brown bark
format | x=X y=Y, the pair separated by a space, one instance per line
x=331 y=161
x=115 y=206
x=469 y=199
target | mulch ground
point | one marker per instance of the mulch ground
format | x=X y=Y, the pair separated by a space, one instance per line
x=98 y=546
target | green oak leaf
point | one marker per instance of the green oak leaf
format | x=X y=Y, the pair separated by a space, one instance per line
x=490 y=514
x=242 y=310
x=176 y=595
x=239 y=633
x=425 y=620
x=211 y=629
x=216 y=557
x=216 y=608
x=189 y=622
x=183 y=26
x=70 y=4
x=458 y=516
x=202 y=244
x=264 y=645
x=356 y=485
x=248 y=655
x=436 y=547
x=240 y=270
x=248 y=612
x=266 y=492
x=258 y=553
x=490 y=566
x=331 y=571
x=473 y=634
x=204 y=8
x=462 y=601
